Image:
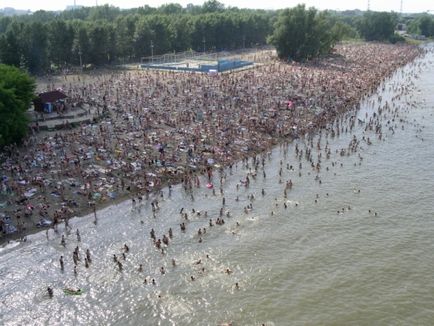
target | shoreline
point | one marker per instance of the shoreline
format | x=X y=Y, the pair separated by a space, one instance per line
x=88 y=210
x=270 y=138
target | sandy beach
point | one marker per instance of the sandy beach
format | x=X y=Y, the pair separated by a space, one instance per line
x=162 y=128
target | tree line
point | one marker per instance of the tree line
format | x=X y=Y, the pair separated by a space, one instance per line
x=423 y=25
x=105 y=35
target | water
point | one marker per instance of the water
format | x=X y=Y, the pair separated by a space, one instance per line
x=306 y=264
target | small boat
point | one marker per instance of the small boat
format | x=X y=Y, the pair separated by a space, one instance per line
x=43 y=222
x=69 y=291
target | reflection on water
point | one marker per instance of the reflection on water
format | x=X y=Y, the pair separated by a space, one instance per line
x=350 y=244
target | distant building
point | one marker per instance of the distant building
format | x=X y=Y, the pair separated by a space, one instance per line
x=401 y=27
x=73 y=7
x=8 y=11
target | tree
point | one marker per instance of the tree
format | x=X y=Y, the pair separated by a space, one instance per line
x=301 y=34
x=161 y=35
x=4 y=23
x=34 y=46
x=81 y=45
x=125 y=28
x=42 y=16
x=344 y=31
x=142 y=38
x=104 y=12
x=377 y=26
x=180 y=31
x=170 y=9
x=61 y=37
x=212 y=6
x=426 y=25
x=99 y=37
x=10 y=46
x=16 y=92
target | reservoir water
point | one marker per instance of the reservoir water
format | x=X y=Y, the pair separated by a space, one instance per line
x=351 y=244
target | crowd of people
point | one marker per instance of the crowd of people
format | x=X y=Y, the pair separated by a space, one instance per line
x=314 y=156
x=167 y=127
x=161 y=128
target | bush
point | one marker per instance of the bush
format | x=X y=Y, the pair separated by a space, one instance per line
x=396 y=38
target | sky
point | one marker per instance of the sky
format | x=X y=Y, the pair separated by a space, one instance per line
x=409 y=6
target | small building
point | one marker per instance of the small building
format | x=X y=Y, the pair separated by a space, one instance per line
x=49 y=101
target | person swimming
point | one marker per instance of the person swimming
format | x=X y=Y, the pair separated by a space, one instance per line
x=88 y=256
x=50 y=292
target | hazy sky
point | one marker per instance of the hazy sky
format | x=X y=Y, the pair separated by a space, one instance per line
x=379 y=5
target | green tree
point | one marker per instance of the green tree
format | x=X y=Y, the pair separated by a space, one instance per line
x=212 y=6
x=4 y=23
x=426 y=25
x=98 y=38
x=142 y=38
x=125 y=27
x=10 y=45
x=16 y=93
x=34 y=46
x=193 y=9
x=302 y=34
x=146 y=10
x=171 y=9
x=42 y=16
x=159 y=25
x=81 y=46
x=413 y=27
x=343 y=31
x=111 y=46
x=80 y=13
x=105 y=12
x=377 y=26
x=180 y=32
x=61 y=37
